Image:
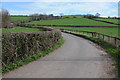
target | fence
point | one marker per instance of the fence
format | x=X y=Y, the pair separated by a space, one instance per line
x=115 y=41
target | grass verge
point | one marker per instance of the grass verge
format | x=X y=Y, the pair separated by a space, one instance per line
x=112 y=50
x=31 y=58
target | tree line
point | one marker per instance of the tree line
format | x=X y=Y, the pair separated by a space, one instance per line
x=37 y=17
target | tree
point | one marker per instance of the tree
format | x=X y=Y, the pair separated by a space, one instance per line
x=97 y=15
x=5 y=18
x=36 y=17
x=109 y=17
x=61 y=15
x=89 y=16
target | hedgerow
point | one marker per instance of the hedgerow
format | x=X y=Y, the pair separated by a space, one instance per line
x=19 y=46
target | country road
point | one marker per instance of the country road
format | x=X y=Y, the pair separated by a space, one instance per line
x=76 y=58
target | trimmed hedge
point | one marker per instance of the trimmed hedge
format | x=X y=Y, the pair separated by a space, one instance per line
x=18 y=46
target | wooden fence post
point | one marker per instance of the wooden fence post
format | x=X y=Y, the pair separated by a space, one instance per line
x=92 y=34
x=115 y=41
x=109 y=39
x=98 y=36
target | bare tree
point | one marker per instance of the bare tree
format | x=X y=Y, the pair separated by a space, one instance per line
x=61 y=14
x=5 y=18
x=89 y=16
x=37 y=17
x=97 y=14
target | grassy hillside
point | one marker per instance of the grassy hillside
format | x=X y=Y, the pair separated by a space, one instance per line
x=19 y=18
x=21 y=29
x=109 y=20
x=108 y=31
x=72 y=21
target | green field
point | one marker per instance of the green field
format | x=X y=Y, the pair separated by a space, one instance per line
x=109 y=20
x=19 y=18
x=72 y=21
x=108 y=31
x=21 y=29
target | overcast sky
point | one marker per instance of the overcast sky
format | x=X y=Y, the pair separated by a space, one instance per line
x=67 y=7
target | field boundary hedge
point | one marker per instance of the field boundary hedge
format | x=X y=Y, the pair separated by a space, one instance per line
x=105 y=21
x=70 y=26
x=23 y=22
